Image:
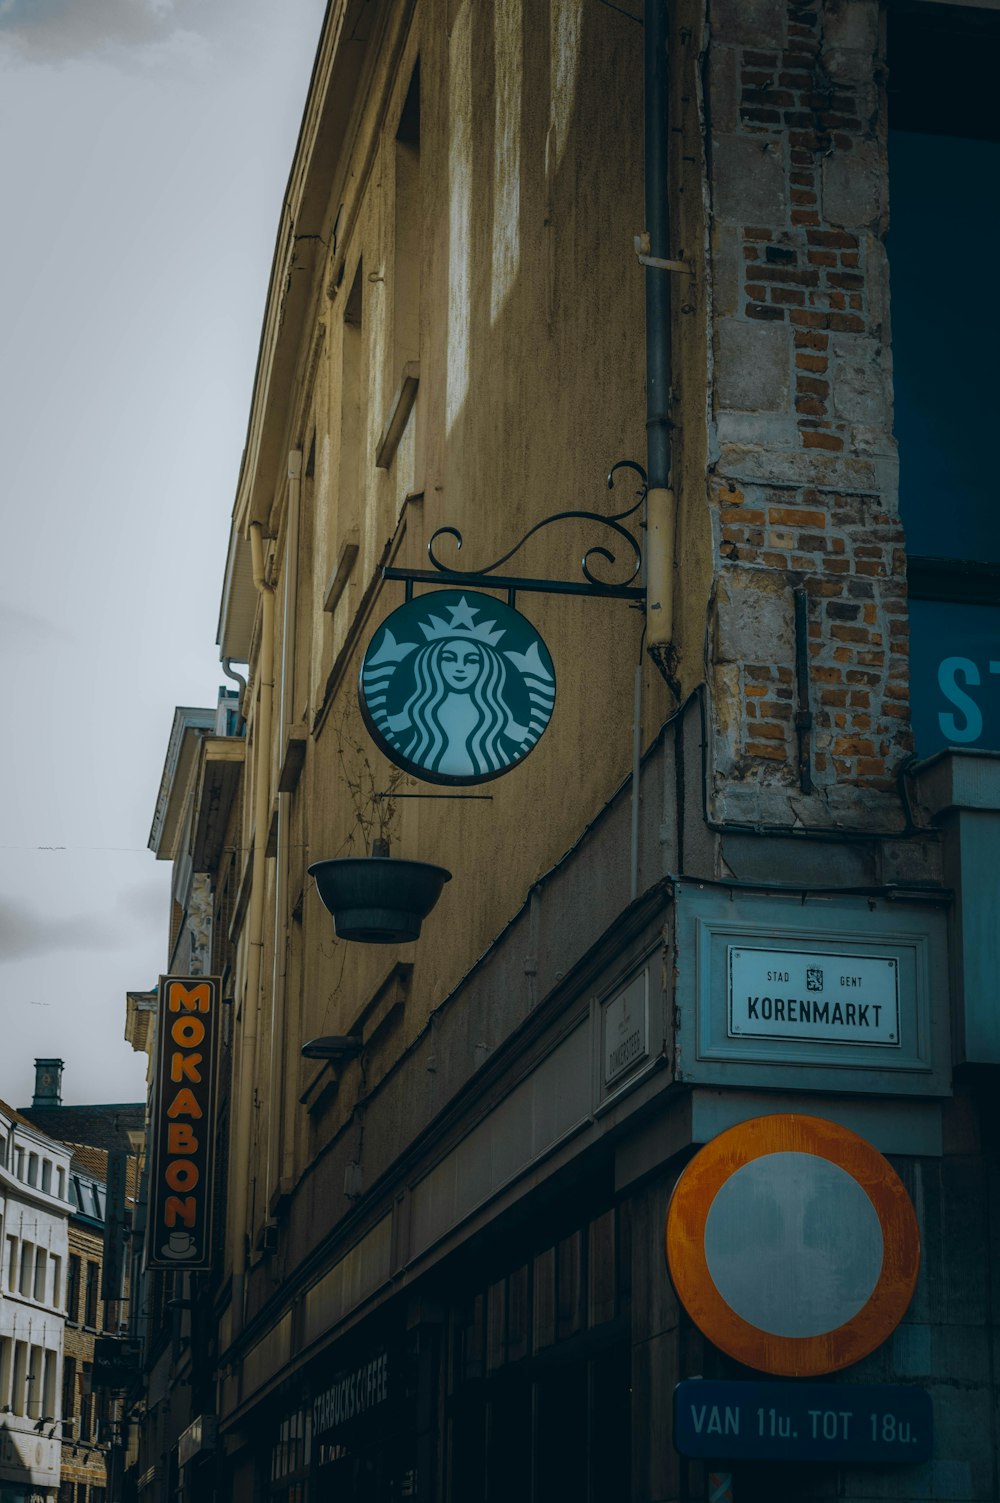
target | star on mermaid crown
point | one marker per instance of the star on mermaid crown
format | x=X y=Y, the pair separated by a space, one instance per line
x=462 y=625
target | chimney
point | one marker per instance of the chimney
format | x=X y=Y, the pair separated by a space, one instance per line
x=48 y=1082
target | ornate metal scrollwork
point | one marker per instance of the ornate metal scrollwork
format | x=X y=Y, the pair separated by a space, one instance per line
x=487 y=578
x=598 y=550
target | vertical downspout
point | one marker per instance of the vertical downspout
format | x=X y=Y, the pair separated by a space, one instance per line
x=277 y=1092
x=633 y=885
x=660 y=506
x=243 y=1168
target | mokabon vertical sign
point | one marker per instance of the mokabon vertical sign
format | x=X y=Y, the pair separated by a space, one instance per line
x=179 y=1229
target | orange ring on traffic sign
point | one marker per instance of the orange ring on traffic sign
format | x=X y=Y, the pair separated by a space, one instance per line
x=687 y=1215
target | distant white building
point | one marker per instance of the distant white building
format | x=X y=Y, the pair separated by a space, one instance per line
x=34 y=1213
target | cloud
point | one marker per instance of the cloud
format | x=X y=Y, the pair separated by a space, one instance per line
x=29 y=630
x=24 y=935
x=45 y=31
x=147 y=902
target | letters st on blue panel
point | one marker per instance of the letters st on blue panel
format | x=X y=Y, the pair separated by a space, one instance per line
x=456 y=687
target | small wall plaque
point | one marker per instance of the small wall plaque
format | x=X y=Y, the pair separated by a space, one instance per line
x=626 y=1028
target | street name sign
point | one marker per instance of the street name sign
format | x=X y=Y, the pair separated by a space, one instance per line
x=813 y=996
x=833 y=1422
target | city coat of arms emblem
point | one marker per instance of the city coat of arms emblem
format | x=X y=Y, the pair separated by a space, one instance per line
x=456 y=687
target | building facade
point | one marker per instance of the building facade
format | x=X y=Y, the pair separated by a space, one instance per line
x=34 y=1172
x=503 y=267
x=99 y=1190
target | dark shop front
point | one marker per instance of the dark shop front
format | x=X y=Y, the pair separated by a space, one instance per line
x=507 y=1372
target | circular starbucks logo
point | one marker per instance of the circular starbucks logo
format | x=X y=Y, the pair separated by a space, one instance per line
x=456 y=687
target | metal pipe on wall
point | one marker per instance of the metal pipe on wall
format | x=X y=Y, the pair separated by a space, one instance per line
x=276 y=1125
x=660 y=504
x=240 y=1155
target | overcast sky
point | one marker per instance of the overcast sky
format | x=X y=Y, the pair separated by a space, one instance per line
x=146 y=147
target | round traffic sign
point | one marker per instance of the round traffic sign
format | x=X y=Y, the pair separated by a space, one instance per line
x=792 y=1244
x=456 y=687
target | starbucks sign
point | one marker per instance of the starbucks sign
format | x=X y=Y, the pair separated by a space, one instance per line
x=456 y=687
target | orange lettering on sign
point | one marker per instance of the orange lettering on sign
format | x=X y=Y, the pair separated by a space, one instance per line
x=185 y=1067
x=186 y=1209
x=182 y=1174
x=188 y=1032
x=185 y=1104
x=189 y=998
x=181 y=1138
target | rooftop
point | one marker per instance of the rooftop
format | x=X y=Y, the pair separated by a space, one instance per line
x=104 y=1126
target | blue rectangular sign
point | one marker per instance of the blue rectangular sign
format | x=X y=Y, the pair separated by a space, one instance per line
x=954 y=675
x=802 y=1421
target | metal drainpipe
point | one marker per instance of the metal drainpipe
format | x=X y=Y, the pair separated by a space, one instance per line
x=276 y=1125
x=241 y=1158
x=660 y=504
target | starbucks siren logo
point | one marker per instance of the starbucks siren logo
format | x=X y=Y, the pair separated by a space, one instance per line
x=456 y=687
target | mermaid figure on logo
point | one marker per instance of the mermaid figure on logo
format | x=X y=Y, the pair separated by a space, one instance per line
x=456 y=721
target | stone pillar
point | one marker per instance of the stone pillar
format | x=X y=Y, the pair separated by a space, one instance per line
x=802 y=472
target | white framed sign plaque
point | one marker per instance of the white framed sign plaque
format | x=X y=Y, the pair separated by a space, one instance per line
x=626 y=1028
x=813 y=996
x=843 y=993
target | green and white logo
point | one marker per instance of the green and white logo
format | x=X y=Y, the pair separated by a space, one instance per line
x=456 y=687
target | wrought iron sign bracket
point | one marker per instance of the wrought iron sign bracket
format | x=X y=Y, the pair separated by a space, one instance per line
x=590 y=586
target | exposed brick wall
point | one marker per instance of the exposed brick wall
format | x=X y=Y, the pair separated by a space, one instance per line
x=806 y=284
x=850 y=561
x=80 y=1462
x=804 y=481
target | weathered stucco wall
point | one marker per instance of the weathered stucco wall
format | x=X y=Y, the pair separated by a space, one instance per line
x=493 y=244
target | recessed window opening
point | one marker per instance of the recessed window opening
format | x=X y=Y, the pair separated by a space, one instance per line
x=407 y=258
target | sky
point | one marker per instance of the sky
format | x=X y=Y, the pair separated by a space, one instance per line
x=144 y=150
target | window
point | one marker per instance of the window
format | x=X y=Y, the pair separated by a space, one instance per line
x=539 y=1373
x=32 y=1168
x=87 y=1405
x=56 y=1262
x=61 y=1183
x=336 y=528
x=944 y=144
x=73 y=1289
x=34 y=1409
x=6 y=1362
x=27 y=1266
x=68 y=1392
x=407 y=220
x=12 y=1264
x=47 y=1176
x=90 y=1300
x=290 y=1458
x=49 y=1383
x=353 y=418
x=18 y=1396
x=41 y=1271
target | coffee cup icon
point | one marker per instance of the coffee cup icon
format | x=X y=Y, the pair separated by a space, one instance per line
x=179 y=1245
